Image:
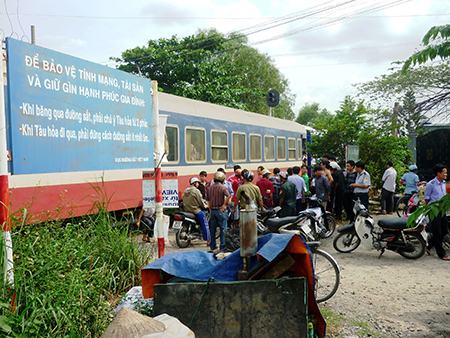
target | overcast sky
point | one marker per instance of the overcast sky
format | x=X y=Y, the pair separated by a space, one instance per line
x=329 y=45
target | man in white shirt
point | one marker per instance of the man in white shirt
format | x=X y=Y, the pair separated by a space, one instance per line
x=387 y=193
x=299 y=183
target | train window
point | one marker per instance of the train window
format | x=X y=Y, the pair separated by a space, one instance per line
x=195 y=145
x=219 y=146
x=171 y=145
x=299 y=149
x=291 y=148
x=255 y=148
x=269 y=148
x=281 y=148
x=239 y=153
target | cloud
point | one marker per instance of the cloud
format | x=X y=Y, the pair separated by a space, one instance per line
x=170 y=13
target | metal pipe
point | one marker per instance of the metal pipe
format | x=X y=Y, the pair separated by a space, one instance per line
x=4 y=188
x=33 y=35
x=248 y=233
x=159 y=222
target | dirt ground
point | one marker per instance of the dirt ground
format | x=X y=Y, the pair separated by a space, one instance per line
x=387 y=297
x=397 y=297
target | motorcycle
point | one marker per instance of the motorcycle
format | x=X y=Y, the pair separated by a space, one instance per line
x=321 y=222
x=388 y=234
x=428 y=234
x=314 y=223
x=187 y=228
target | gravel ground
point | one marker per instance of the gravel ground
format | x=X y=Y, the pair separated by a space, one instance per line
x=396 y=296
x=387 y=297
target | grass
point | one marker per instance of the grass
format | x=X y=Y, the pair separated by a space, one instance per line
x=336 y=324
x=68 y=277
x=364 y=329
x=335 y=321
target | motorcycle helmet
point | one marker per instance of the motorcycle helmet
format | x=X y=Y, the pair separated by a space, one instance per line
x=219 y=176
x=193 y=180
x=248 y=175
x=412 y=167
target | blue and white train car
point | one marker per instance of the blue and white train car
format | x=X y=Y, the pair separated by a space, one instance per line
x=204 y=136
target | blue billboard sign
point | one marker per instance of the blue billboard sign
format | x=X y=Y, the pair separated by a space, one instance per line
x=68 y=114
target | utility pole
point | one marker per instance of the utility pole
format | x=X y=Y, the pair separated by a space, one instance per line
x=33 y=35
x=395 y=116
x=159 y=219
x=4 y=183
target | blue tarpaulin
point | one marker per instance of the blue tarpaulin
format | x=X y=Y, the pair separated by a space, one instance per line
x=201 y=265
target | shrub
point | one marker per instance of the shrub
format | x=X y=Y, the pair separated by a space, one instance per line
x=69 y=276
x=376 y=149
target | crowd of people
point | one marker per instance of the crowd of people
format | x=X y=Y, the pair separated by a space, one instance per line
x=288 y=189
x=335 y=188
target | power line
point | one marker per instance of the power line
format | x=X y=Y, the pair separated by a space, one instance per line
x=92 y=17
x=324 y=64
x=326 y=51
x=296 y=31
x=308 y=12
x=285 y=17
x=20 y=24
x=9 y=19
x=318 y=26
x=300 y=17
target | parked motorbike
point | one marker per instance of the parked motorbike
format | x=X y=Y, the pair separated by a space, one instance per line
x=321 y=222
x=187 y=228
x=314 y=223
x=428 y=234
x=388 y=234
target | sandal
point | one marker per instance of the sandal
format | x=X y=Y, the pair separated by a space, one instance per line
x=446 y=258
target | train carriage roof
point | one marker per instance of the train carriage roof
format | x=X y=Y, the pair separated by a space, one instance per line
x=182 y=105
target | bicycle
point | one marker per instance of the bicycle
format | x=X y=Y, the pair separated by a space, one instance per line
x=327 y=273
x=407 y=204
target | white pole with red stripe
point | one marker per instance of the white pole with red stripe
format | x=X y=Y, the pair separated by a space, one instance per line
x=159 y=219
x=4 y=188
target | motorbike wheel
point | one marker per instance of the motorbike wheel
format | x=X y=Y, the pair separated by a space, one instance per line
x=446 y=242
x=417 y=243
x=182 y=236
x=331 y=226
x=326 y=275
x=346 y=242
x=401 y=208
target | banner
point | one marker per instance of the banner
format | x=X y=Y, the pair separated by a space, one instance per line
x=169 y=189
x=68 y=114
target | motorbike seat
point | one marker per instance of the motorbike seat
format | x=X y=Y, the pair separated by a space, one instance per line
x=275 y=223
x=309 y=213
x=394 y=224
x=187 y=214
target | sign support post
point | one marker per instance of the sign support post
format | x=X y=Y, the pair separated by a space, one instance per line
x=159 y=224
x=4 y=189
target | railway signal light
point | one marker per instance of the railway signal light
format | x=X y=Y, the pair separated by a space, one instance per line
x=273 y=98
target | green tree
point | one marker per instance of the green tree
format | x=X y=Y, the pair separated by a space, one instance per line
x=310 y=112
x=429 y=83
x=377 y=147
x=436 y=44
x=352 y=125
x=212 y=67
x=334 y=132
x=410 y=114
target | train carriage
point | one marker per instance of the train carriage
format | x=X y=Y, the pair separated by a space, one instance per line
x=204 y=136
x=199 y=136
